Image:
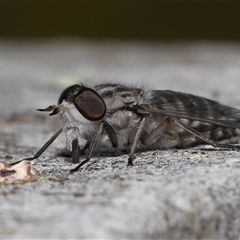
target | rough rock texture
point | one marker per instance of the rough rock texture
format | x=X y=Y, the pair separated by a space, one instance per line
x=190 y=193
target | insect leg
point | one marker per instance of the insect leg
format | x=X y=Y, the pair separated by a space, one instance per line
x=111 y=133
x=76 y=152
x=92 y=145
x=42 y=149
x=137 y=136
x=47 y=144
x=155 y=132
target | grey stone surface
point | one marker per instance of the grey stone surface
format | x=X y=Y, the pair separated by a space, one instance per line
x=190 y=193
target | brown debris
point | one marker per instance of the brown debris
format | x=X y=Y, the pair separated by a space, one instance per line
x=13 y=173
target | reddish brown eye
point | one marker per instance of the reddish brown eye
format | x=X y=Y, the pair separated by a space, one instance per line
x=90 y=104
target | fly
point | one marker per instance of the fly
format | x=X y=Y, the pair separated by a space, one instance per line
x=118 y=116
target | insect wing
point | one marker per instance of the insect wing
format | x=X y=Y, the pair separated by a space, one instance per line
x=187 y=106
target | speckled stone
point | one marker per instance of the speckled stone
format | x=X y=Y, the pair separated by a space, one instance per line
x=190 y=193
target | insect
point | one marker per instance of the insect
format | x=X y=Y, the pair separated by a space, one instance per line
x=114 y=115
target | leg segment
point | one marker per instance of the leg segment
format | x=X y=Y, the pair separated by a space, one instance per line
x=92 y=145
x=137 y=136
x=76 y=152
x=42 y=149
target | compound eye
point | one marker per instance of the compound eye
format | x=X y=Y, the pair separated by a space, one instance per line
x=90 y=104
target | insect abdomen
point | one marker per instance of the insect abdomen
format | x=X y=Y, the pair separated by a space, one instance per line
x=211 y=131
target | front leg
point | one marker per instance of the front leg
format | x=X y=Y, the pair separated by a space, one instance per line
x=76 y=152
x=92 y=145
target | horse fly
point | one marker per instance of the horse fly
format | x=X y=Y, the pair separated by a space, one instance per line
x=118 y=116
